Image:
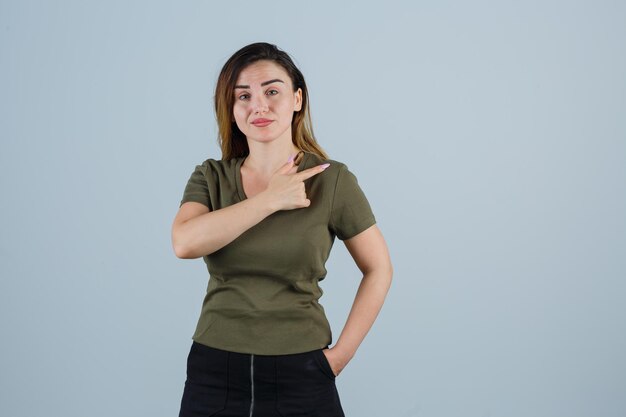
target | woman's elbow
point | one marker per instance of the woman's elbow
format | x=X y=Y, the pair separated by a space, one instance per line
x=181 y=250
x=385 y=272
x=388 y=273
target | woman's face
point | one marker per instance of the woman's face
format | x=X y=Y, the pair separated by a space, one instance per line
x=264 y=91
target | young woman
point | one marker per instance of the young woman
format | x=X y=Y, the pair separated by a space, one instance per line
x=264 y=218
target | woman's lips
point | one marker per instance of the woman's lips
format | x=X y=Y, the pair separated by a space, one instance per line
x=262 y=123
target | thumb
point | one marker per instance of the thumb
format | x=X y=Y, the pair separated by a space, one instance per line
x=288 y=165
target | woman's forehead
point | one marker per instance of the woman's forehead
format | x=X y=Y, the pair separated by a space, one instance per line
x=261 y=72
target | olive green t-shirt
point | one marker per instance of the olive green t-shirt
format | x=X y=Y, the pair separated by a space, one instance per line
x=263 y=294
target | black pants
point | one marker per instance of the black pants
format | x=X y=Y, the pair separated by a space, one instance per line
x=221 y=383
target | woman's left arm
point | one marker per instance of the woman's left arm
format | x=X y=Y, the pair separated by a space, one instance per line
x=371 y=256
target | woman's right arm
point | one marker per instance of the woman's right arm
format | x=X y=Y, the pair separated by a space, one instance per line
x=197 y=231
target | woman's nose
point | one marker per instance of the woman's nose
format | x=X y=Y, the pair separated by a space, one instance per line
x=260 y=104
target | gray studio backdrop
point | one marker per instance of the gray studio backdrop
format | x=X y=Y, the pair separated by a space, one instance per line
x=488 y=136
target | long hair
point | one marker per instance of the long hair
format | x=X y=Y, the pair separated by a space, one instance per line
x=231 y=140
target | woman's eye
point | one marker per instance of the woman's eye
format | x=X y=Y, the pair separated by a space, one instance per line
x=245 y=96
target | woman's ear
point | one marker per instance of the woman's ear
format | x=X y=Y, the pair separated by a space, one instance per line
x=298 y=104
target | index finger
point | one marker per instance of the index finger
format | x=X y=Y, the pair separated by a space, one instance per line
x=308 y=173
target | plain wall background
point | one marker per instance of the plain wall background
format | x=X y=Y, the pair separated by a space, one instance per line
x=489 y=137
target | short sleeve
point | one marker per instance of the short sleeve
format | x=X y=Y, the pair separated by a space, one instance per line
x=351 y=212
x=197 y=188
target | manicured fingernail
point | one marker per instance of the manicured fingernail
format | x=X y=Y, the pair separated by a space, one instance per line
x=325 y=166
x=291 y=157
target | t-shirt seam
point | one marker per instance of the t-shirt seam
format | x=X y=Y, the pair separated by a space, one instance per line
x=369 y=220
x=203 y=168
x=332 y=205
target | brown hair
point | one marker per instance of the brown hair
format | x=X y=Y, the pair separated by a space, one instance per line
x=231 y=140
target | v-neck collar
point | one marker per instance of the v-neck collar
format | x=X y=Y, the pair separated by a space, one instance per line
x=239 y=183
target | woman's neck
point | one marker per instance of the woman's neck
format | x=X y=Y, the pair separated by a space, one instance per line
x=264 y=160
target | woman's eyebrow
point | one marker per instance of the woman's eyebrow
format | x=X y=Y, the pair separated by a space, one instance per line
x=262 y=84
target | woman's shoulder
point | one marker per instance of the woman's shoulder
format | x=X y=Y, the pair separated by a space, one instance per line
x=314 y=159
x=334 y=170
x=218 y=165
